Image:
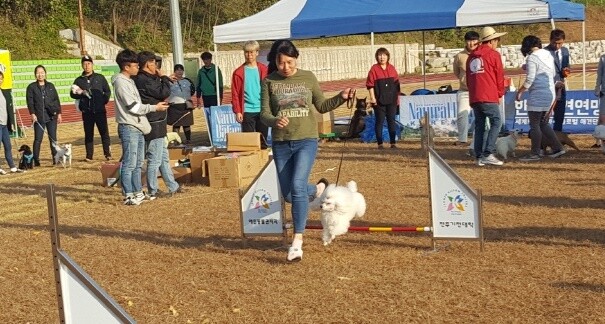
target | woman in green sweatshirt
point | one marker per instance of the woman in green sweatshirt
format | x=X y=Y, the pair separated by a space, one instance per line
x=288 y=95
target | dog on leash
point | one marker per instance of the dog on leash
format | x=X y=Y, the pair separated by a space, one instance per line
x=339 y=205
x=26 y=162
x=563 y=139
x=63 y=154
x=506 y=145
x=358 y=123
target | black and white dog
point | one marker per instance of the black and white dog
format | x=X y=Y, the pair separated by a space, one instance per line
x=26 y=162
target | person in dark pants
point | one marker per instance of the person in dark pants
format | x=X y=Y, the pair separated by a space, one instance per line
x=206 y=82
x=245 y=92
x=45 y=109
x=561 y=56
x=92 y=93
x=383 y=85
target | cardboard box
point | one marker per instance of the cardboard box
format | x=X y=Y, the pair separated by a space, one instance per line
x=243 y=142
x=178 y=153
x=198 y=173
x=110 y=172
x=181 y=174
x=324 y=122
x=234 y=170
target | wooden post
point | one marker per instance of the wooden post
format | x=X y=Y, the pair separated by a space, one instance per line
x=81 y=22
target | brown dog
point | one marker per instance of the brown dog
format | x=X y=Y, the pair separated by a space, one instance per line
x=562 y=137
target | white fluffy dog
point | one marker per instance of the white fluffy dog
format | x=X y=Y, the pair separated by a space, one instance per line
x=507 y=144
x=63 y=154
x=339 y=205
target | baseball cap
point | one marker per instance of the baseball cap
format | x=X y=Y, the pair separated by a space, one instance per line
x=86 y=58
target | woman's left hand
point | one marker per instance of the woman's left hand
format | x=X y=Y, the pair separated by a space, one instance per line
x=59 y=118
x=518 y=96
x=348 y=93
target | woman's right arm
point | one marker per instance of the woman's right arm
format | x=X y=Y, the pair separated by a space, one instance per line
x=370 y=85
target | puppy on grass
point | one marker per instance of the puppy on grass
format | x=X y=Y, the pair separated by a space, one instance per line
x=26 y=162
x=506 y=145
x=339 y=205
x=63 y=154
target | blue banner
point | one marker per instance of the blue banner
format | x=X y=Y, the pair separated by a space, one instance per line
x=222 y=121
x=581 y=112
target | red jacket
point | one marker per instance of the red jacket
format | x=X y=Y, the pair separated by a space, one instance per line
x=237 y=86
x=485 y=75
x=376 y=72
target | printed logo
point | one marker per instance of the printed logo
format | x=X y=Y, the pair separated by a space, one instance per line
x=262 y=200
x=476 y=65
x=455 y=202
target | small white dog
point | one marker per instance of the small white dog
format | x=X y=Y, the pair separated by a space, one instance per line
x=63 y=154
x=507 y=144
x=339 y=205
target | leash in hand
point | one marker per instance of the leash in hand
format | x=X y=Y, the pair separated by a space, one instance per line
x=352 y=96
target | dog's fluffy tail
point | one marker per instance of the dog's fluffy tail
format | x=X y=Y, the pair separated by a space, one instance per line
x=352 y=185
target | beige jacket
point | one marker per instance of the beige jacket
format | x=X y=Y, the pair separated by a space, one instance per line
x=460 y=68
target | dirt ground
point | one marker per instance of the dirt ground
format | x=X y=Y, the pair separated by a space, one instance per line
x=181 y=260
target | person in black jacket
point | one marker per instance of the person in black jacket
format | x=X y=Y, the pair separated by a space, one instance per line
x=154 y=87
x=92 y=93
x=45 y=109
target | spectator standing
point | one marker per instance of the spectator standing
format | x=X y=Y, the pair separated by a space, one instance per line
x=132 y=125
x=206 y=82
x=485 y=81
x=383 y=85
x=539 y=82
x=154 y=88
x=92 y=93
x=6 y=127
x=599 y=91
x=471 y=40
x=45 y=109
x=181 y=106
x=560 y=54
x=288 y=96
x=245 y=92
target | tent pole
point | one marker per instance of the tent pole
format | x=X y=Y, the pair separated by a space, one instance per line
x=423 y=61
x=218 y=89
x=584 y=55
x=371 y=48
x=552 y=23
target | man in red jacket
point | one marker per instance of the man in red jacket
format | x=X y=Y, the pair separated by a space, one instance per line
x=485 y=81
x=245 y=92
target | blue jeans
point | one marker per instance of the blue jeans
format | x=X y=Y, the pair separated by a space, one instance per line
x=39 y=129
x=6 y=143
x=157 y=159
x=133 y=150
x=484 y=110
x=294 y=161
x=462 y=120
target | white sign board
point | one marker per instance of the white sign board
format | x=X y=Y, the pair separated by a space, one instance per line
x=262 y=209
x=454 y=206
x=81 y=304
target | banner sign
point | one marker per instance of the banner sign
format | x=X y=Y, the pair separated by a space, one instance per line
x=221 y=120
x=581 y=112
x=262 y=209
x=442 y=108
x=454 y=206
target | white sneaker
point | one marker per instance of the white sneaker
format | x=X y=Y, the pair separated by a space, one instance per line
x=15 y=170
x=480 y=162
x=2 y=172
x=294 y=254
x=491 y=159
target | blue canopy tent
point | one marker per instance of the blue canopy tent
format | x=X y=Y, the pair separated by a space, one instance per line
x=305 y=19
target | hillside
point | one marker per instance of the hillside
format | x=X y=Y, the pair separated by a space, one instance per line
x=145 y=24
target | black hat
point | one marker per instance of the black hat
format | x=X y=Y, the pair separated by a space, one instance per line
x=471 y=35
x=86 y=58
